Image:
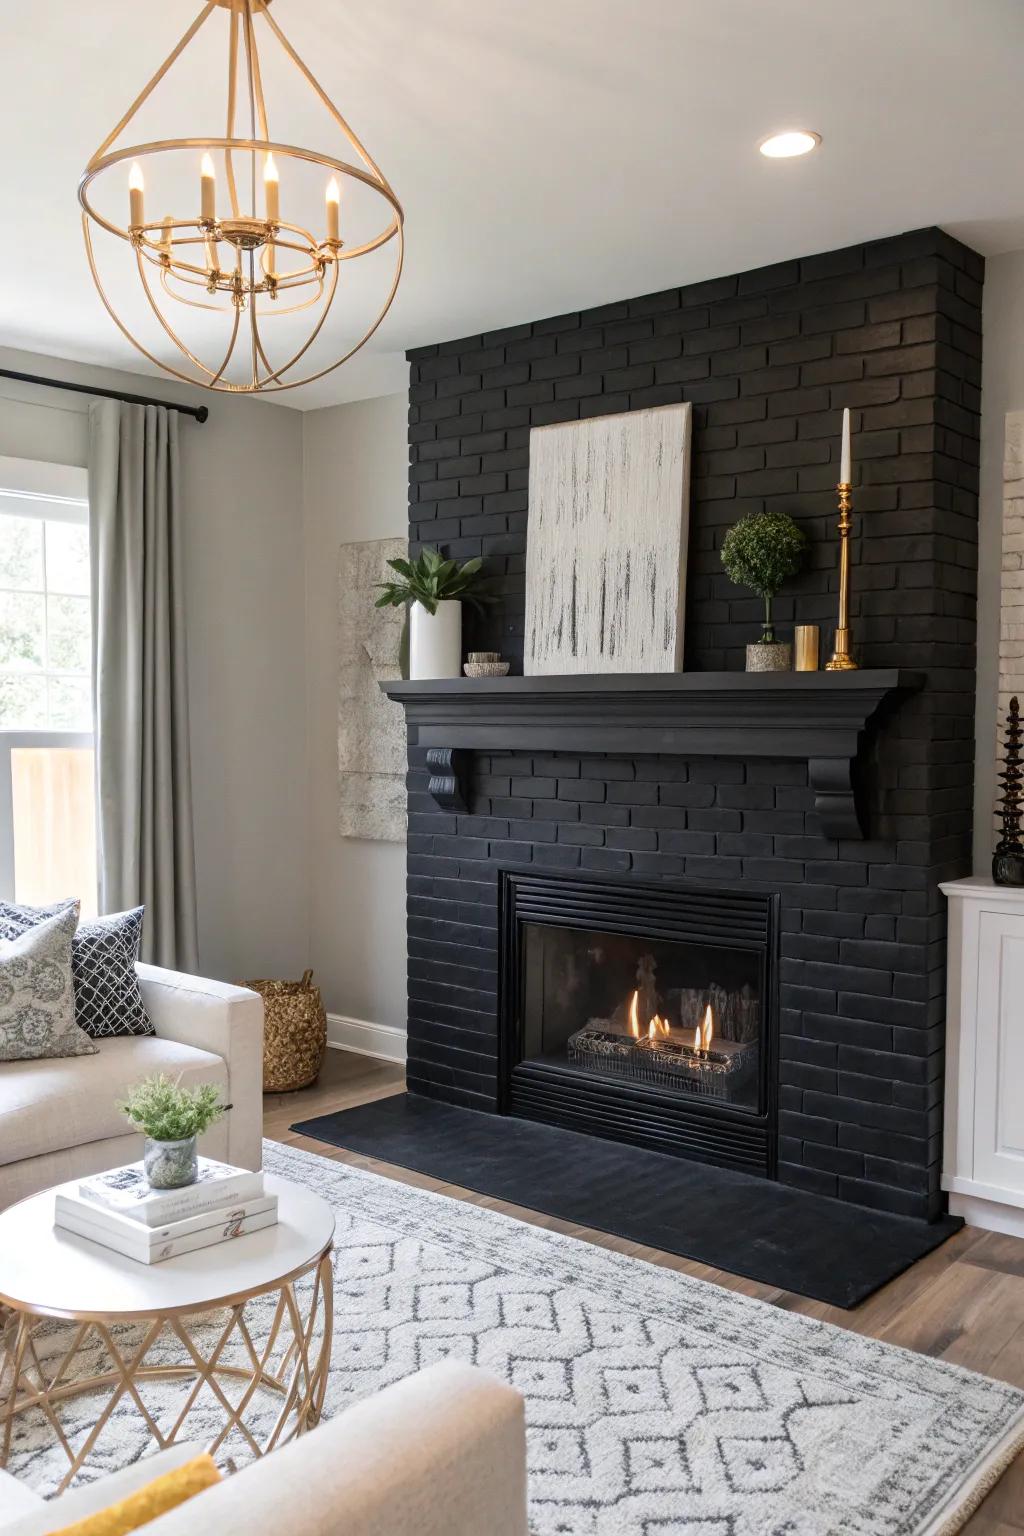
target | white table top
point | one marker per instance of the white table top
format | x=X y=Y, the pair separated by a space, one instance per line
x=57 y=1273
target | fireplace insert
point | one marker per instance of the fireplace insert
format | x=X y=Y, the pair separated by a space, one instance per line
x=641 y=1012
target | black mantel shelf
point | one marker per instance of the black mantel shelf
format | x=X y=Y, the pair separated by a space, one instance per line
x=817 y=717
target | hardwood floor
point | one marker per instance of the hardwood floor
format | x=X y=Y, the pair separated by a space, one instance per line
x=963 y=1303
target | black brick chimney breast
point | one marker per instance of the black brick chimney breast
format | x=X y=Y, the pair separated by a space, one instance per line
x=769 y=359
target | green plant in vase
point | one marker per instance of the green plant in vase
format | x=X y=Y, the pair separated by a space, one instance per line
x=171 y=1118
x=761 y=552
x=433 y=590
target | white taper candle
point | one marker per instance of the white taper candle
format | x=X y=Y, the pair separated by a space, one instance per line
x=844 y=467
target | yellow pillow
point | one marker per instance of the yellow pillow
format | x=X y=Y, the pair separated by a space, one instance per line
x=142 y=1506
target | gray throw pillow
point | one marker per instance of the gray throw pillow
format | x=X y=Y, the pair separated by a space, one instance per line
x=37 y=993
x=108 y=1001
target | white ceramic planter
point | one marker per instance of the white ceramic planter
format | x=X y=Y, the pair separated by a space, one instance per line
x=435 y=641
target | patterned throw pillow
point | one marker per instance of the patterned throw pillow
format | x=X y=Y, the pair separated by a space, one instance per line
x=37 y=995
x=108 y=1001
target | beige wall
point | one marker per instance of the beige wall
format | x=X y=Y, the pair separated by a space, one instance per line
x=1002 y=390
x=245 y=604
x=355 y=487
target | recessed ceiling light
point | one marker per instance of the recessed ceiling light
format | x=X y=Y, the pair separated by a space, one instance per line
x=783 y=146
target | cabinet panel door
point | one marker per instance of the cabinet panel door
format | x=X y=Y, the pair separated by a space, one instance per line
x=999 y=1080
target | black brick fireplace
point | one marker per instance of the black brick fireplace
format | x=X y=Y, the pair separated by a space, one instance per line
x=843 y=838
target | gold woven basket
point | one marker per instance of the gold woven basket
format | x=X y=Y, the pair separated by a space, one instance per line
x=294 y=1033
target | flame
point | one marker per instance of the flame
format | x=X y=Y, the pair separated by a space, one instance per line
x=270 y=168
x=656 y=1025
x=707 y=1029
x=696 y=1038
x=136 y=180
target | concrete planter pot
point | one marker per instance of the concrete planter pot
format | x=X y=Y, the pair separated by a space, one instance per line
x=770 y=656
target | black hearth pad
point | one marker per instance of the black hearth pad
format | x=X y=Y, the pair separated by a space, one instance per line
x=807 y=1243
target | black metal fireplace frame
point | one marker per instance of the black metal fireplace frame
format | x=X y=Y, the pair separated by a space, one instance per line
x=703 y=1130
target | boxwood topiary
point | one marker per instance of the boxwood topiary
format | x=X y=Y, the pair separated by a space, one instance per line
x=761 y=552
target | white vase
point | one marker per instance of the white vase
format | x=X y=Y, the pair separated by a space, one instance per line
x=435 y=641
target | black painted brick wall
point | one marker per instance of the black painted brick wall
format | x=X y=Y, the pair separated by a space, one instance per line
x=769 y=359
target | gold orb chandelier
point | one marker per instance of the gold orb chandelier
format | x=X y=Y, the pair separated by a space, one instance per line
x=237 y=258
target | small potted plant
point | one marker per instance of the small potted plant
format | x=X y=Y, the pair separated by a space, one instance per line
x=171 y=1117
x=434 y=590
x=761 y=552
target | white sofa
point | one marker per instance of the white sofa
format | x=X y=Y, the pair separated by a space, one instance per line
x=59 y=1118
x=442 y=1453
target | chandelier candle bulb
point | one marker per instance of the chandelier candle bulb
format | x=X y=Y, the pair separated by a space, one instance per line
x=271 y=191
x=165 y=238
x=333 y=208
x=136 y=189
x=208 y=181
x=271 y=188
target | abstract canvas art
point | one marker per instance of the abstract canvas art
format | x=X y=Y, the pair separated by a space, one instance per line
x=606 y=543
x=371 y=729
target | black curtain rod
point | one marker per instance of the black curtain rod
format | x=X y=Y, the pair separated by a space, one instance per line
x=199 y=412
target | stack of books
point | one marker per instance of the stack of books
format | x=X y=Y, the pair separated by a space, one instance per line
x=119 y=1210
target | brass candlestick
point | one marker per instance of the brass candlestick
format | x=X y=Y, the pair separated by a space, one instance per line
x=841 y=660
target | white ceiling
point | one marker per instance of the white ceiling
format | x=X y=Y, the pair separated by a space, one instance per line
x=550 y=154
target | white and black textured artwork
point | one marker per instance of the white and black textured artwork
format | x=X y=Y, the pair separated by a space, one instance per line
x=371 y=728
x=606 y=543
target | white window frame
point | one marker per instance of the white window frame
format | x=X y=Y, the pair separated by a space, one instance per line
x=56 y=492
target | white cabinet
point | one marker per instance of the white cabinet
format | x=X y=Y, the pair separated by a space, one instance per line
x=983 y=1153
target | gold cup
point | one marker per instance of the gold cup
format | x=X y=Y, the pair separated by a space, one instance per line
x=805 y=647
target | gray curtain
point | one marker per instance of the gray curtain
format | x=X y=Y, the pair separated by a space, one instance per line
x=143 y=781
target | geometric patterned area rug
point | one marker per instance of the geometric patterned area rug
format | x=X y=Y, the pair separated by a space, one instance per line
x=657 y=1404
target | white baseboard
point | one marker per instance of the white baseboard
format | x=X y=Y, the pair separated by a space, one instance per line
x=990 y=1214
x=382 y=1041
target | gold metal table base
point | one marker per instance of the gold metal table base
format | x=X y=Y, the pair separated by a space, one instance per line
x=292 y=1362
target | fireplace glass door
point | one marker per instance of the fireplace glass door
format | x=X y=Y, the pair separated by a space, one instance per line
x=680 y=1017
x=641 y=1011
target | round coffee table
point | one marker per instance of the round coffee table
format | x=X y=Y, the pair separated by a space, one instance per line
x=46 y=1273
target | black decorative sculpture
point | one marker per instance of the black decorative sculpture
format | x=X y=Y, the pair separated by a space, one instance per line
x=1008 y=859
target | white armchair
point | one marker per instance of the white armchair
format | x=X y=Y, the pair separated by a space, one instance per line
x=442 y=1453
x=59 y=1118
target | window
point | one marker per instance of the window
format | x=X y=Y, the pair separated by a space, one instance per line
x=47 y=822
